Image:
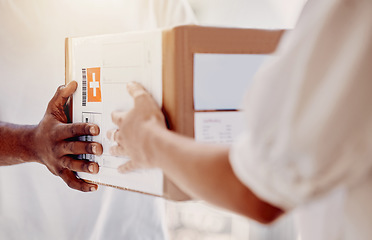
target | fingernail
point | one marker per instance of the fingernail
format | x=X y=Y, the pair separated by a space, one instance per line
x=92 y=130
x=94 y=149
x=92 y=189
x=91 y=168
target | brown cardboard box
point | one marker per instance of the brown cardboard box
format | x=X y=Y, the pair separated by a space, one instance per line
x=179 y=45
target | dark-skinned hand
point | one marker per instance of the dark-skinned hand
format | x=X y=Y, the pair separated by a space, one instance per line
x=55 y=147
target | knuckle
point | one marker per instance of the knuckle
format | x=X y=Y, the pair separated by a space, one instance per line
x=129 y=166
x=90 y=129
x=113 y=151
x=120 y=120
x=85 y=167
x=54 y=133
x=57 y=150
x=66 y=162
x=117 y=137
x=73 y=130
x=69 y=146
x=86 y=128
x=60 y=172
x=141 y=96
x=59 y=89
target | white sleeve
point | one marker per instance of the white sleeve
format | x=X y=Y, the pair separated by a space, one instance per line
x=308 y=113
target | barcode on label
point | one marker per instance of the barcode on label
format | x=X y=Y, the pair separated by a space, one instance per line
x=84 y=87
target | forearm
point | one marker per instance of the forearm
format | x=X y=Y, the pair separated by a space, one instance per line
x=204 y=172
x=16 y=144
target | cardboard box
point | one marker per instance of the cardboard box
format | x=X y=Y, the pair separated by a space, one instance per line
x=163 y=61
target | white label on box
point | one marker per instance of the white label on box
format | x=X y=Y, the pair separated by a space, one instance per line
x=221 y=80
x=218 y=127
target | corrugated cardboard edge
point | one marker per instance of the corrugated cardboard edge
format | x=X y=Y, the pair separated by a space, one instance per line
x=177 y=113
x=68 y=74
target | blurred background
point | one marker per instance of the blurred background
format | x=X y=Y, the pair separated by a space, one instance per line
x=200 y=221
x=248 y=13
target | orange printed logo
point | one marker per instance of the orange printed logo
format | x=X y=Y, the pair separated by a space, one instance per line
x=94 y=84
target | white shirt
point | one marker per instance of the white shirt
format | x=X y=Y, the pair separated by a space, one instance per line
x=34 y=204
x=308 y=138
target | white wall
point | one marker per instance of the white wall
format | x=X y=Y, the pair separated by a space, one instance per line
x=248 y=13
